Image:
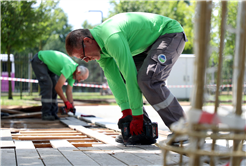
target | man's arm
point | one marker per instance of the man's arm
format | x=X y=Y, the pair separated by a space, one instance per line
x=58 y=87
x=69 y=93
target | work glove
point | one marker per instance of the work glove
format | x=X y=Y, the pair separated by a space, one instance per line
x=126 y=117
x=136 y=126
x=68 y=105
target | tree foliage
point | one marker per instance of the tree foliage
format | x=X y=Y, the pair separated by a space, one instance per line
x=25 y=28
x=230 y=38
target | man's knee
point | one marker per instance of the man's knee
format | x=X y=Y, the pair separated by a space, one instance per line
x=143 y=84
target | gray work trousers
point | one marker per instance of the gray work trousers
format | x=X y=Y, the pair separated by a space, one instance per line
x=154 y=66
x=47 y=81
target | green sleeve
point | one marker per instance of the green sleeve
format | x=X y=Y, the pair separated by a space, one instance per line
x=115 y=81
x=71 y=81
x=123 y=58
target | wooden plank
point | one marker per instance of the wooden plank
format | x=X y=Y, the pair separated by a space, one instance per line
x=99 y=136
x=26 y=115
x=102 y=157
x=51 y=157
x=75 y=158
x=101 y=122
x=27 y=154
x=40 y=132
x=82 y=140
x=74 y=121
x=6 y=139
x=135 y=155
x=29 y=121
x=48 y=134
x=42 y=145
x=48 y=137
x=8 y=157
x=79 y=144
x=11 y=111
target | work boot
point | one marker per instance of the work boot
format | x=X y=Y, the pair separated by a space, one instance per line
x=178 y=139
x=56 y=117
x=48 y=117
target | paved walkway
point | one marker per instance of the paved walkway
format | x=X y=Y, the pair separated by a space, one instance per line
x=113 y=113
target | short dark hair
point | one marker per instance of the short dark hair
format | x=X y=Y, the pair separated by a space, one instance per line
x=75 y=37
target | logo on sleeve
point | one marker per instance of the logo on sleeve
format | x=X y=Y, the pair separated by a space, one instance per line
x=162 y=58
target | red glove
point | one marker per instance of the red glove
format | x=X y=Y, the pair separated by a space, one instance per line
x=125 y=117
x=126 y=112
x=136 y=126
x=68 y=105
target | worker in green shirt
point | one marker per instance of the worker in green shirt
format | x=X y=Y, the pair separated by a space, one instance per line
x=142 y=47
x=47 y=65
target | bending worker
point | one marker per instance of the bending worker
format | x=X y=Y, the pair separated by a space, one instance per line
x=46 y=65
x=143 y=47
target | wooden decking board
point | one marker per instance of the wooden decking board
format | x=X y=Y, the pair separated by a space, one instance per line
x=76 y=158
x=102 y=157
x=155 y=159
x=8 y=157
x=52 y=157
x=91 y=133
x=82 y=140
x=6 y=139
x=132 y=155
x=42 y=145
x=47 y=137
x=27 y=154
x=44 y=132
x=48 y=134
x=25 y=115
x=74 y=121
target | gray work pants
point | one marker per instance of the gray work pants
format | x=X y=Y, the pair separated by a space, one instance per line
x=47 y=81
x=154 y=67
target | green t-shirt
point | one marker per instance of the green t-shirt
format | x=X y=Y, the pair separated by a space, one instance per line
x=59 y=63
x=121 y=37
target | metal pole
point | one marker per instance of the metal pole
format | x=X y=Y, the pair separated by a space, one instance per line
x=98 y=11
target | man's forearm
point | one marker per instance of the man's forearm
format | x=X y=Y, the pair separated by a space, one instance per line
x=69 y=93
x=60 y=93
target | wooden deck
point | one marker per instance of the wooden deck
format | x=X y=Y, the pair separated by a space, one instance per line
x=68 y=142
x=73 y=141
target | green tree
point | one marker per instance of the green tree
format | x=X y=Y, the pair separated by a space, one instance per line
x=19 y=28
x=58 y=30
x=25 y=28
x=86 y=25
x=230 y=38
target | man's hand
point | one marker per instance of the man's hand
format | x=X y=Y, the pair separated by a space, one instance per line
x=68 y=105
x=136 y=126
x=126 y=112
x=125 y=117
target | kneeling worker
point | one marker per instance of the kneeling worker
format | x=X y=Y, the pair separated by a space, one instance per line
x=46 y=65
